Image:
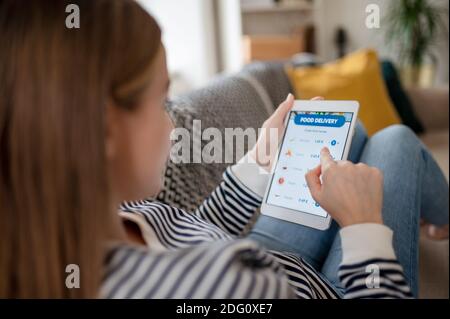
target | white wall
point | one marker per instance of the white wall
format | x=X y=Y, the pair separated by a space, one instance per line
x=350 y=14
x=195 y=55
x=230 y=33
x=188 y=35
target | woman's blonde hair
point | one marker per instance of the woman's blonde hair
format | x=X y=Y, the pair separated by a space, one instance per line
x=55 y=84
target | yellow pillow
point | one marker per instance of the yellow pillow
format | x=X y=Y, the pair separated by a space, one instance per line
x=354 y=77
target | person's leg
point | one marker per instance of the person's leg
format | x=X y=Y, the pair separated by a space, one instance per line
x=310 y=244
x=413 y=185
x=358 y=143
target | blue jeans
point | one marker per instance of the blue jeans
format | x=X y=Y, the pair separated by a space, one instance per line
x=414 y=188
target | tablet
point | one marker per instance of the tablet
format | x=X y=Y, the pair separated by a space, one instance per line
x=310 y=126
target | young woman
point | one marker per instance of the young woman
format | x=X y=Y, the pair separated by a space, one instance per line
x=83 y=129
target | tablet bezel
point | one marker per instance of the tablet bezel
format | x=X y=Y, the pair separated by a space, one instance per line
x=300 y=217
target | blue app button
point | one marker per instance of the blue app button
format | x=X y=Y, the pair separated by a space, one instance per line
x=319 y=120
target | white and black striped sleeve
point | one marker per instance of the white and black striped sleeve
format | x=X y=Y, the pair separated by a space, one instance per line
x=224 y=269
x=230 y=206
x=369 y=267
x=304 y=279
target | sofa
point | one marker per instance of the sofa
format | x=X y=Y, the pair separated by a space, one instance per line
x=245 y=100
x=432 y=108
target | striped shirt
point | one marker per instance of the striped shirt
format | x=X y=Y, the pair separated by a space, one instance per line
x=204 y=255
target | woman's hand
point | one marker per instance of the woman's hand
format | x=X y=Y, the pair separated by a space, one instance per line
x=271 y=133
x=350 y=193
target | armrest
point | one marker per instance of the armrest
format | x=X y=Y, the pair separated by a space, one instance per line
x=431 y=106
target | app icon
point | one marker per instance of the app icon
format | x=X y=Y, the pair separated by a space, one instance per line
x=288 y=153
x=281 y=180
x=333 y=142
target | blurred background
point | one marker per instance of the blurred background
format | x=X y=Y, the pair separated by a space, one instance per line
x=206 y=37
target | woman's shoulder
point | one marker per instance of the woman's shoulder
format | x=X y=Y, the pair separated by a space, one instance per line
x=222 y=269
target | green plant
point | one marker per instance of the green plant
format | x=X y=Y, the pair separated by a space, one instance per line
x=412 y=27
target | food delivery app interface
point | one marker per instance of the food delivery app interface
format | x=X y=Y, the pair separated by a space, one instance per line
x=306 y=134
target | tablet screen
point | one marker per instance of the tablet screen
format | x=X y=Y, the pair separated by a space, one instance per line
x=306 y=134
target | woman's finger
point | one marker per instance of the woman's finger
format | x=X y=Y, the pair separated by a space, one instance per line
x=326 y=160
x=285 y=106
x=313 y=180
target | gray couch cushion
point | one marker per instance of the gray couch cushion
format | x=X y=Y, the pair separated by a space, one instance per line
x=228 y=102
x=272 y=77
